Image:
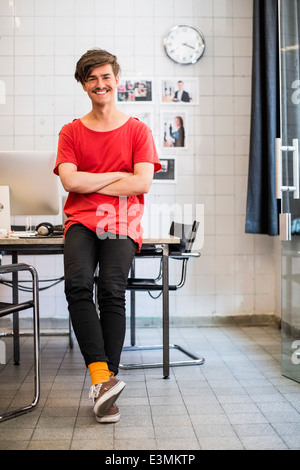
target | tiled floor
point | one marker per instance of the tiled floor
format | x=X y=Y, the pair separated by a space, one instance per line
x=237 y=400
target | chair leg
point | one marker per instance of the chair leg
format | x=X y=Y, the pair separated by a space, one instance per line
x=195 y=359
x=36 y=342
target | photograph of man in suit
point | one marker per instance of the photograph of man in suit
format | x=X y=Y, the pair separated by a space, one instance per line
x=181 y=94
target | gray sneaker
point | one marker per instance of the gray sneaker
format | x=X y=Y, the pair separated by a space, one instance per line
x=105 y=394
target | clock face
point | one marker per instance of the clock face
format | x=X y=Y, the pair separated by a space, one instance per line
x=184 y=44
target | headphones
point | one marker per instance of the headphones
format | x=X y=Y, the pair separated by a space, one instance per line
x=45 y=229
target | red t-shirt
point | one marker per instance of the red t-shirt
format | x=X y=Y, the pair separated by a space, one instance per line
x=100 y=152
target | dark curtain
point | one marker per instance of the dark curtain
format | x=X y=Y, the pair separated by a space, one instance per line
x=290 y=97
x=262 y=206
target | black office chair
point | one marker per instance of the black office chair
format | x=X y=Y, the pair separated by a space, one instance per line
x=182 y=252
x=14 y=308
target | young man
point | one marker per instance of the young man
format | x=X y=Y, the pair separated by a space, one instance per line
x=105 y=161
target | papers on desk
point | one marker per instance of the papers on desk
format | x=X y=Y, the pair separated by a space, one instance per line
x=22 y=234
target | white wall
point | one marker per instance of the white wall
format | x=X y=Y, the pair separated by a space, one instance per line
x=41 y=40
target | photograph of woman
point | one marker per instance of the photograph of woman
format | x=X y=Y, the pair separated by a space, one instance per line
x=173 y=130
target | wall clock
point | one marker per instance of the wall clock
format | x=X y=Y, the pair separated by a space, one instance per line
x=184 y=44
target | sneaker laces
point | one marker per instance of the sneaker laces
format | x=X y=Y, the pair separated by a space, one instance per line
x=94 y=391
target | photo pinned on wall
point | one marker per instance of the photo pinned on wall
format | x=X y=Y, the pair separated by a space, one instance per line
x=180 y=91
x=167 y=174
x=173 y=131
x=135 y=90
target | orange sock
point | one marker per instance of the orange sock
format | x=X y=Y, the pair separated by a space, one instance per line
x=99 y=372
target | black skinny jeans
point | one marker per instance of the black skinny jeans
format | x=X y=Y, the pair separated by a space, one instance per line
x=99 y=339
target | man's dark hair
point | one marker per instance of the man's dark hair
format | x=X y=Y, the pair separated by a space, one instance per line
x=95 y=58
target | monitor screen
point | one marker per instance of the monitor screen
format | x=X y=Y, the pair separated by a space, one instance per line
x=33 y=187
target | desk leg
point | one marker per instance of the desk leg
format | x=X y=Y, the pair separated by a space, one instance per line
x=132 y=308
x=166 y=341
x=15 y=299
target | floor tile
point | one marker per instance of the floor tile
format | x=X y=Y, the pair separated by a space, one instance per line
x=236 y=400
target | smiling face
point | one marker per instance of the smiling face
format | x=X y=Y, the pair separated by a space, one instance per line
x=101 y=85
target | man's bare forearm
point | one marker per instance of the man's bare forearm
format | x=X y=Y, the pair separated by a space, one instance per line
x=131 y=186
x=137 y=183
x=85 y=182
x=92 y=182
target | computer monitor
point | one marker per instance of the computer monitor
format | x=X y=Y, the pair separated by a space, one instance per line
x=33 y=187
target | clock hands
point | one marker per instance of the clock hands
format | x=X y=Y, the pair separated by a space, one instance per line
x=179 y=45
x=176 y=47
x=187 y=45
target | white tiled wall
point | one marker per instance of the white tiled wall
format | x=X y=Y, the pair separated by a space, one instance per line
x=40 y=42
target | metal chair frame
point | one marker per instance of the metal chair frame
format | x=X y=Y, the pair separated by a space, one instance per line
x=14 y=308
x=182 y=252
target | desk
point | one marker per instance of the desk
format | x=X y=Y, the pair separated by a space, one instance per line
x=55 y=245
